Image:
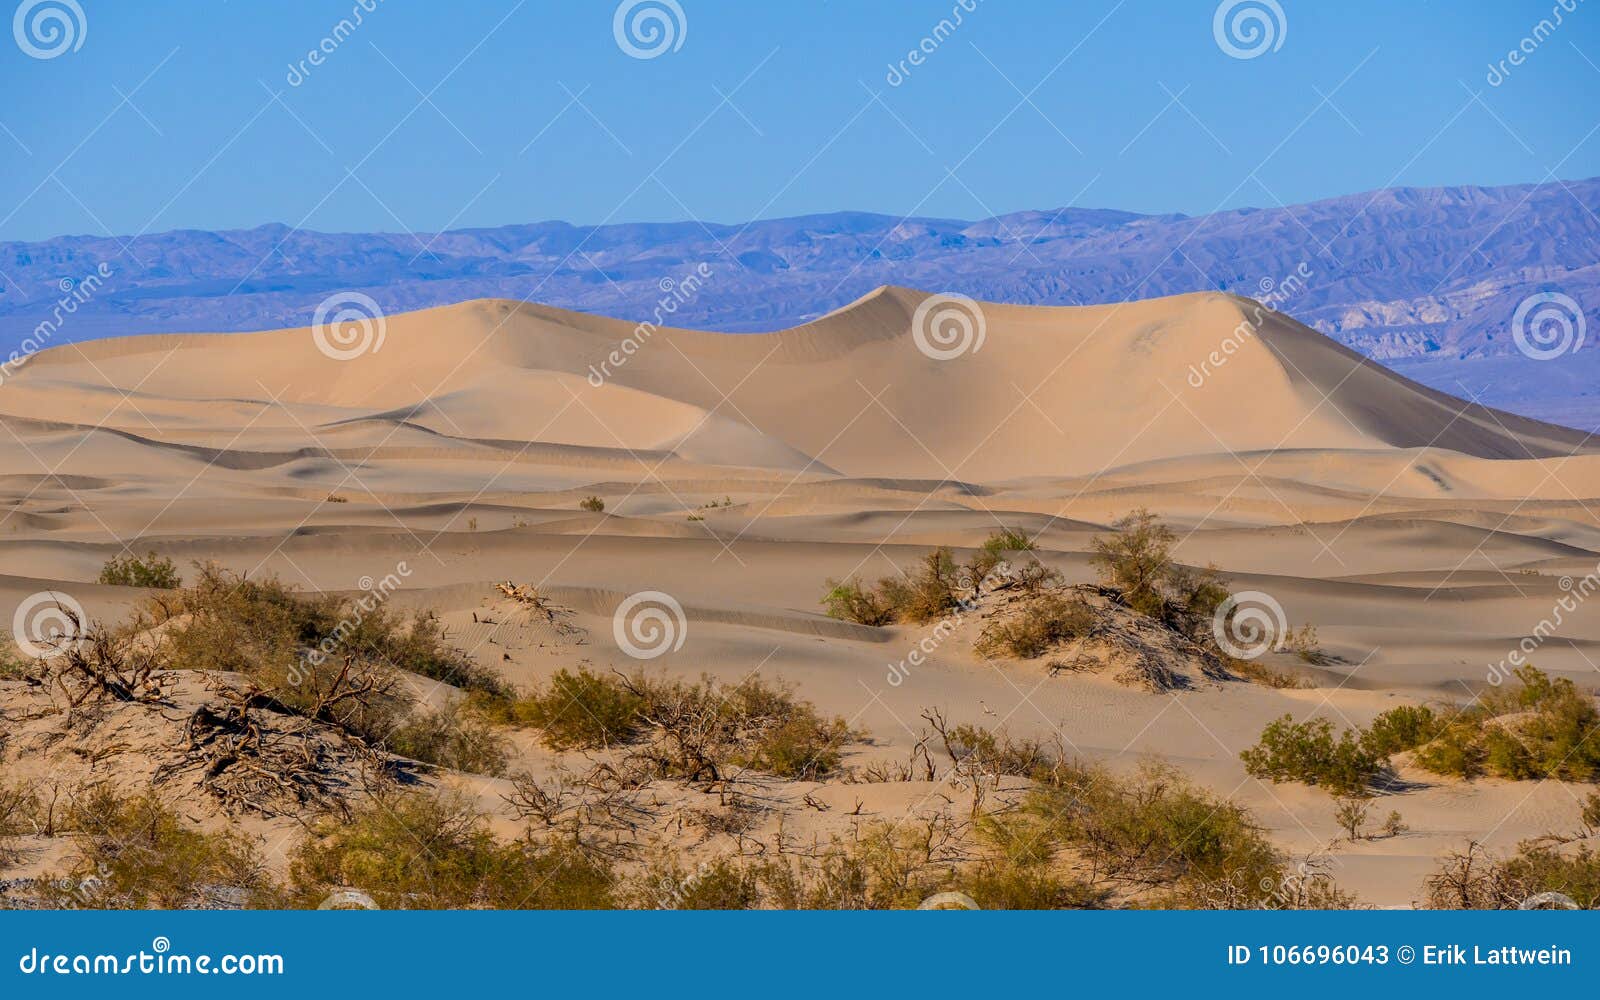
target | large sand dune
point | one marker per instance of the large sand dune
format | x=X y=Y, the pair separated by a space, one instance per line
x=1423 y=535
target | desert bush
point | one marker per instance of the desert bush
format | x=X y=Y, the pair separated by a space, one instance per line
x=699 y=729
x=1351 y=814
x=324 y=656
x=1040 y=623
x=849 y=601
x=150 y=570
x=579 y=709
x=1153 y=830
x=592 y=504
x=694 y=730
x=418 y=851
x=1309 y=752
x=449 y=738
x=19 y=811
x=1268 y=676
x=1137 y=561
x=1402 y=728
x=993 y=551
x=1541 y=727
x=1475 y=879
x=137 y=853
x=722 y=883
x=926 y=593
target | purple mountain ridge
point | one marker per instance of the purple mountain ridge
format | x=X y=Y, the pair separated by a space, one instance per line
x=1427 y=280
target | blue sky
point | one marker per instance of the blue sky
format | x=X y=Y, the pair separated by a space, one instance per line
x=428 y=115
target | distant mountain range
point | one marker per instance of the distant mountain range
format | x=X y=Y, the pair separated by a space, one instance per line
x=1410 y=276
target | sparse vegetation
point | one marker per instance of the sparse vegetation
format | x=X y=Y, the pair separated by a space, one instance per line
x=150 y=570
x=137 y=852
x=1137 y=561
x=1541 y=727
x=1475 y=879
x=693 y=731
x=593 y=504
x=1042 y=622
x=923 y=595
x=1309 y=752
x=417 y=851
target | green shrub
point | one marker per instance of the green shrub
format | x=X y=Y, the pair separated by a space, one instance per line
x=1137 y=561
x=1402 y=728
x=151 y=570
x=1040 y=623
x=449 y=738
x=850 y=601
x=923 y=595
x=1542 y=727
x=416 y=851
x=580 y=709
x=1308 y=752
x=1478 y=880
x=138 y=853
x=1154 y=831
x=592 y=504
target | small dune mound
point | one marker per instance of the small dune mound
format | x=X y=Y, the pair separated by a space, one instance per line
x=1100 y=635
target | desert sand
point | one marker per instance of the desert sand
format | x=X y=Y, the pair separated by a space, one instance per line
x=1424 y=536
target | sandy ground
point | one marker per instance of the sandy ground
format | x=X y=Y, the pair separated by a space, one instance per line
x=1422 y=535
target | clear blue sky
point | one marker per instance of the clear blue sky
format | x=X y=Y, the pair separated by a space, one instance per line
x=535 y=112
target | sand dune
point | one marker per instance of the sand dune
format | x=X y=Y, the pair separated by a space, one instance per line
x=1424 y=536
